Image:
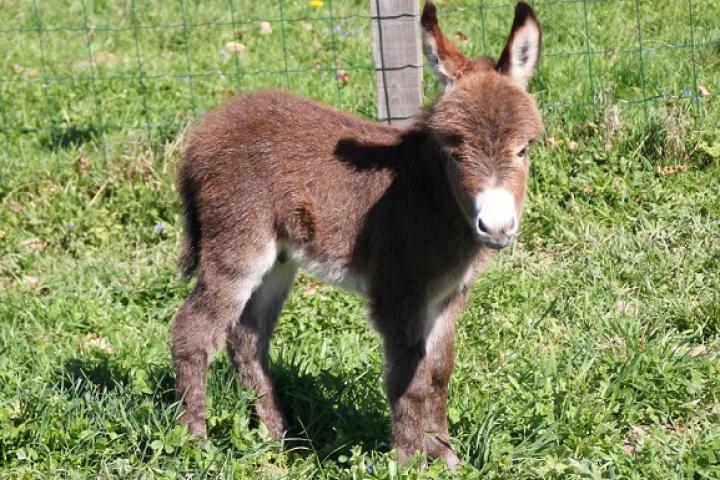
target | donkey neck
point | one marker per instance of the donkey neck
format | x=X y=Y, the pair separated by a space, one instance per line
x=409 y=196
x=424 y=197
x=428 y=170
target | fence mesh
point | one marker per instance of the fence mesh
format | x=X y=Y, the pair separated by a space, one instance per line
x=74 y=71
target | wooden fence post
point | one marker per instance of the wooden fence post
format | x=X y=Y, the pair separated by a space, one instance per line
x=398 y=59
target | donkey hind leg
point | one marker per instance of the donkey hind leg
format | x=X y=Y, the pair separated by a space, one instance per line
x=200 y=327
x=248 y=343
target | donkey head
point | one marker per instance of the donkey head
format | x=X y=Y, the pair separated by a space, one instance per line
x=484 y=124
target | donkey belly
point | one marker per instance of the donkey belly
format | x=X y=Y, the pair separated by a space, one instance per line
x=330 y=269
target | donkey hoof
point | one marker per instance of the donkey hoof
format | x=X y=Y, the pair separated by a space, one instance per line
x=198 y=429
x=451 y=460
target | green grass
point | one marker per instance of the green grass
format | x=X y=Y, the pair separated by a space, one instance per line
x=591 y=349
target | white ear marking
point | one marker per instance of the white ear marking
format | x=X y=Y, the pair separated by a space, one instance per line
x=522 y=50
x=446 y=61
x=430 y=51
x=524 y=53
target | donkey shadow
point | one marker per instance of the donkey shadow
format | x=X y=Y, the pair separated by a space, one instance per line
x=103 y=375
x=328 y=413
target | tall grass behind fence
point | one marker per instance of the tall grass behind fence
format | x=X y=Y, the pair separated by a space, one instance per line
x=98 y=75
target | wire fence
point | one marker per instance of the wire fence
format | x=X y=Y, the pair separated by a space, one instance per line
x=74 y=71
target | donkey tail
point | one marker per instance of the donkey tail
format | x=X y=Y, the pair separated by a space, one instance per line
x=190 y=257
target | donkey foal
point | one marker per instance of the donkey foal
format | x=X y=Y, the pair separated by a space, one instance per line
x=271 y=182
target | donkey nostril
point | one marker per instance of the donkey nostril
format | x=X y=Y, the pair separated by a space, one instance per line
x=511 y=227
x=481 y=226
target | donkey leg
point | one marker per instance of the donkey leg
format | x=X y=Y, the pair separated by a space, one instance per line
x=200 y=327
x=407 y=377
x=196 y=325
x=248 y=343
x=419 y=364
x=440 y=356
x=408 y=386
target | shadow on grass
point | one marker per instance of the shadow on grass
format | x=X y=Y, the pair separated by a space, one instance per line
x=101 y=374
x=328 y=413
x=60 y=137
x=96 y=372
x=332 y=413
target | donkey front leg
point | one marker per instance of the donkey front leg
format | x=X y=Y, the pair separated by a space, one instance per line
x=440 y=355
x=419 y=364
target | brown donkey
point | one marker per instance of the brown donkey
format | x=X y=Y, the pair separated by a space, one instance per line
x=271 y=182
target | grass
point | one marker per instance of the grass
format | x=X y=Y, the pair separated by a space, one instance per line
x=589 y=350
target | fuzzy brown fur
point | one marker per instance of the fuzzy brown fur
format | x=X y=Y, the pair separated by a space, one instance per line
x=271 y=182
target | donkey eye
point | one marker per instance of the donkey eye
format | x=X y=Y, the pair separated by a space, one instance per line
x=523 y=153
x=457 y=158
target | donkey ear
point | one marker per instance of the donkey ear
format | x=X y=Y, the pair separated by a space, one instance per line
x=522 y=50
x=447 y=62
